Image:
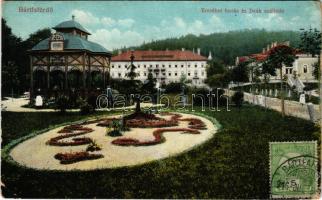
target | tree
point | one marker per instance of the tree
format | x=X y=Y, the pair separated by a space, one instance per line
x=149 y=86
x=278 y=57
x=253 y=68
x=215 y=67
x=311 y=41
x=14 y=50
x=10 y=78
x=218 y=80
x=132 y=84
x=240 y=73
x=317 y=70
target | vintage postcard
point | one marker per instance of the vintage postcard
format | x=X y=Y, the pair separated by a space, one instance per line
x=161 y=99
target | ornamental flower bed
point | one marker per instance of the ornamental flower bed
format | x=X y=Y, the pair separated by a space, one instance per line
x=75 y=127
x=69 y=158
x=158 y=137
x=195 y=123
x=141 y=123
x=68 y=132
x=106 y=122
x=194 y=126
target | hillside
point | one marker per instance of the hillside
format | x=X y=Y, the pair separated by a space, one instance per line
x=225 y=46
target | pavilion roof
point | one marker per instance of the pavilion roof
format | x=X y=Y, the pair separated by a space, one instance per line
x=69 y=25
x=72 y=42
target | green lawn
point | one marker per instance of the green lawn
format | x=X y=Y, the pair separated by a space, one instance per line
x=233 y=164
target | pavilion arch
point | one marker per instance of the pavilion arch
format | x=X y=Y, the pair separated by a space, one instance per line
x=75 y=78
x=57 y=79
x=97 y=77
x=40 y=78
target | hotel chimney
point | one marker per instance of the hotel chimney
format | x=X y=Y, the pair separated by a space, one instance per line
x=198 y=51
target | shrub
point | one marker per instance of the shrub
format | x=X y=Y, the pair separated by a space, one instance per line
x=62 y=103
x=93 y=147
x=85 y=108
x=238 y=98
x=91 y=100
x=173 y=88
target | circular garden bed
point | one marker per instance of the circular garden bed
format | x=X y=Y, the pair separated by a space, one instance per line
x=90 y=145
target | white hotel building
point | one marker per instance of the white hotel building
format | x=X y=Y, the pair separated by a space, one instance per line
x=166 y=66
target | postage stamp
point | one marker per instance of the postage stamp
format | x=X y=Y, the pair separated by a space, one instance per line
x=293 y=169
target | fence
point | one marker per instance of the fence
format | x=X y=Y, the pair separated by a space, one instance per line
x=292 y=108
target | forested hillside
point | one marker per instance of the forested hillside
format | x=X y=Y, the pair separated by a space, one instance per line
x=226 y=46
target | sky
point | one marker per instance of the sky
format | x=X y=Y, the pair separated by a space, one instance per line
x=123 y=23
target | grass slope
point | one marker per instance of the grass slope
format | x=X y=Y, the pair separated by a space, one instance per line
x=233 y=164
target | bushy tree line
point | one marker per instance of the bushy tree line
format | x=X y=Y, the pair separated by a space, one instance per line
x=226 y=46
x=15 y=61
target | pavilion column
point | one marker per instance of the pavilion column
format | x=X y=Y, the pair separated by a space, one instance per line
x=89 y=72
x=48 y=74
x=104 y=78
x=84 y=71
x=66 y=73
x=31 y=92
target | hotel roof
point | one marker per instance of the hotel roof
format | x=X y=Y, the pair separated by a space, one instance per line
x=167 y=55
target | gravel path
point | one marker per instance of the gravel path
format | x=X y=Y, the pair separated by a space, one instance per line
x=15 y=105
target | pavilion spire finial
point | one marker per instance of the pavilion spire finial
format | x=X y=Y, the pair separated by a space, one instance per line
x=73 y=17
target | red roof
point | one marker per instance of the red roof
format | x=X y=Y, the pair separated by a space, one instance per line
x=168 y=55
x=262 y=56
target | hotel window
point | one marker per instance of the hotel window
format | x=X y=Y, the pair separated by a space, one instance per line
x=305 y=69
x=169 y=66
x=176 y=66
x=156 y=65
x=144 y=74
x=163 y=65
x=189 y=66
x=120 y=75
x=188 y=73
x=201 y=65
x=144 y=66
x=119 y=66
x=202 y=73
x=112 y=66
x=176 y=74
x=182 y=72
x=196 y=65
x=138 y=66
x=181 y=66
x=169 y=74
x=125 y=66
x=150 y=66
x=163 y=74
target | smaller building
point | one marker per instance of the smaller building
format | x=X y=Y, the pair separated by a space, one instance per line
x=302 y=68
x=166 y=66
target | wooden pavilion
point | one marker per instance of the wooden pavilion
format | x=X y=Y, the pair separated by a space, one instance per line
x=68 y=60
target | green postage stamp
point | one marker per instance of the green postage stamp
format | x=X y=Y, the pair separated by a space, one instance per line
x=293 y=169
